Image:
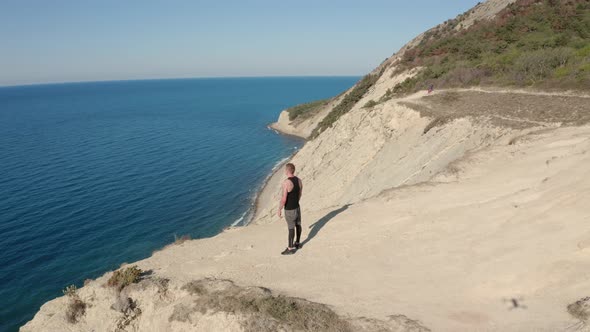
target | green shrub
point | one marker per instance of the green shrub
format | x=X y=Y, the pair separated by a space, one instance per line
x=562 y=72
x=582 y=73
x=584 y=51
x=307 y=109
x=70 y=291
x=370 y=103
x=530 y=42
x=585 y=67
x=408 y=85
x=353 y=97
x=123 y=278
x=539 y=64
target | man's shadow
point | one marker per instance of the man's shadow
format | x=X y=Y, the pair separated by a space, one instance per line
x=317 y=226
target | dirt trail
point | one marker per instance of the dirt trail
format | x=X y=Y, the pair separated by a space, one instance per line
x=517 y=109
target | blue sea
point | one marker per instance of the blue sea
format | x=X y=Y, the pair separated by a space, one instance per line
x=97 y=174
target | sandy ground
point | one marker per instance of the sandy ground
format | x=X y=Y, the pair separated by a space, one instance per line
x=451 y=253
x=448 y=254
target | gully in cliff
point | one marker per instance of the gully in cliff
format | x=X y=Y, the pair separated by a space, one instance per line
x=292 y=191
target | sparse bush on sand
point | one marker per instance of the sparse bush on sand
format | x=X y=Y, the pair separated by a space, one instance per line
x=264 y=311
x=76 y=308
x=371 y=103
x=437 y=122
x=70 y=291
x=259 y=310
x=125 y=277
x=580 y=310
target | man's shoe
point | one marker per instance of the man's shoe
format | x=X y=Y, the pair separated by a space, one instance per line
x=288 y=251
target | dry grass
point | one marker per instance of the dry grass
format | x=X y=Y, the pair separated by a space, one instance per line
x=76 y=308
x=580 y=310
x=181 y=313
x=263 y=310
x=128 y=307
x=450 y=97
x=437 y=122
x=259 y=310
x=511 y=110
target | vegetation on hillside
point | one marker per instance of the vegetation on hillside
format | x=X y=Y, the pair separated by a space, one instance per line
x=260 y=310
x=124 y=277
x=540 y=43
x=349 y=100
x=306 y=110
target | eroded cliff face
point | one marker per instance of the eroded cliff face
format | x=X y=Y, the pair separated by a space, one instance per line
x=390 y=144
x=410 y=140
x=373 y=149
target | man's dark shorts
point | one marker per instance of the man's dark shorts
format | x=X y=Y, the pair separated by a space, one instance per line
x=293 y=217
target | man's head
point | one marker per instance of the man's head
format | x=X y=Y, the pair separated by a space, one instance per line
x=290 y=169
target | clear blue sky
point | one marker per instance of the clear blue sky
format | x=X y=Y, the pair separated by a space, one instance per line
x=60 y=41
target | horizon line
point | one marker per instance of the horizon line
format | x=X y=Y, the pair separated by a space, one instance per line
x=170 y=78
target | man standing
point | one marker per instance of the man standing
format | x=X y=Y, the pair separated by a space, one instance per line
x=292 y=191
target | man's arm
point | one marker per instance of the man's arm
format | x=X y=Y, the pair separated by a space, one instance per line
x=283 y=200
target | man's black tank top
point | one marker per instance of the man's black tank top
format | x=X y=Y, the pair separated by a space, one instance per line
x=293 y=196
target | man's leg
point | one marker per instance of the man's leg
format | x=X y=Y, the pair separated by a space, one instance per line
x=290 y=218
x=298 y=226
x=291 y=237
